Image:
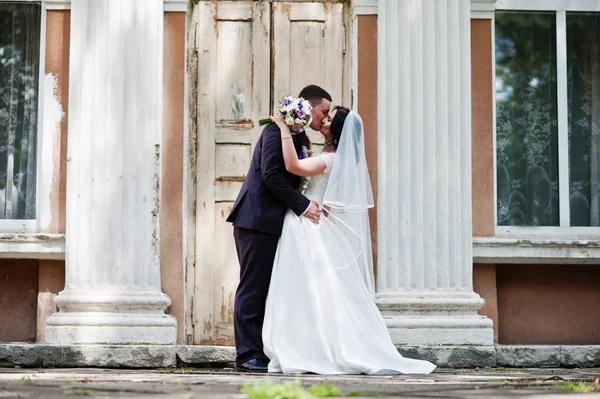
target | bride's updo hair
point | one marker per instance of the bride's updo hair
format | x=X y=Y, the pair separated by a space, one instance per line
x=337 y=124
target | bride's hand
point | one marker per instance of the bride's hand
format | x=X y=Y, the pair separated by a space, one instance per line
x=279 y=122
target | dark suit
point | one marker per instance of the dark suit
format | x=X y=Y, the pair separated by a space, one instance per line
x=257 y=215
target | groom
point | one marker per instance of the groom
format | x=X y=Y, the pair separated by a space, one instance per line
x=257 y=216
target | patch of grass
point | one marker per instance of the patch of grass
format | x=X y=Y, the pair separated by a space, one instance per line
x=78 y=392
x=579 y=386
x=271 y=390
x=324 y=390
x=294 y=390
x=26 y=379
x=188 y=370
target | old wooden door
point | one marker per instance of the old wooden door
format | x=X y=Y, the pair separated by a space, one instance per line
x=243 y=57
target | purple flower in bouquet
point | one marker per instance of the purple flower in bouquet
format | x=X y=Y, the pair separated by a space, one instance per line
x=303 y=153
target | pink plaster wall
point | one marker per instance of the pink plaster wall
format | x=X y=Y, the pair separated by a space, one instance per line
x=367 y=106
x=548 y=304
x=18 y=302
x=484 y=283
x=482 y=128
x=51 y=281
x=52 y=273
x=171 y=220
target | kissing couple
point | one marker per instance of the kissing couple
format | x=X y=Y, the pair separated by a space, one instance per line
x=306 y=298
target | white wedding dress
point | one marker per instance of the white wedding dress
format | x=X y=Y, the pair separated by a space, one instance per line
x=320 y=317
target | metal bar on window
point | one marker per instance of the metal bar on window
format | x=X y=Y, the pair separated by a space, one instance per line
x=494 y=144
x=563 y=114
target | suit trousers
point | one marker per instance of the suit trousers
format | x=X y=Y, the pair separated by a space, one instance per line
x=256 y=254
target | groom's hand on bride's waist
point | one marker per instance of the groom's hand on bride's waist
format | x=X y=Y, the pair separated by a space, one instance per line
x=312 y=213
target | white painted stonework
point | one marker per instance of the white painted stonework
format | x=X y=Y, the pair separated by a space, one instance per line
x=112 y=291
x=482 y=9
x=536 y=250
x=425 y=270
x=52 y=116
x=32 y=246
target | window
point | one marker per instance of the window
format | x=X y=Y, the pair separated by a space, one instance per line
x=547 y=117
x=19 y=81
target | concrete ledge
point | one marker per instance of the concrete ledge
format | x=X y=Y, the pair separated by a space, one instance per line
x=149 y=356
x=548 y=355
x=528 y=356
x=117 y=356
x=32 y=246
x=535 y=251
x=443 y=356
x=453 y=356
x=205 y=355
x=580 y=356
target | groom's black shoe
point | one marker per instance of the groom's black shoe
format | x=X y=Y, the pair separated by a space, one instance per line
x=253 y=366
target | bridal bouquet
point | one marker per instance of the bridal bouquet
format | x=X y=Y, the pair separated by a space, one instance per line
x=295 y=111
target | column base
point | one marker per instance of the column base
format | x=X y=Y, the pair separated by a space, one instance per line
x=118 y=319
x=435 y=318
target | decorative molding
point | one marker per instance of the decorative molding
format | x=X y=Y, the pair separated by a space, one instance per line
x=535 y=251
x=32 y=246
x=175 y=5
x=483 y=9
x=169 y=5
x=57 y=4
x=365 y=7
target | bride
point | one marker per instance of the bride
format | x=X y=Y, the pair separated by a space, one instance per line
x=320 y=313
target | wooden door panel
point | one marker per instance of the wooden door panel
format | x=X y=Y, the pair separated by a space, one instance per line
x=244 y=69
x=308 y=48
x=233 y=90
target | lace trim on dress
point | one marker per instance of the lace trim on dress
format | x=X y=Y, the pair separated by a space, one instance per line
x=328 y=159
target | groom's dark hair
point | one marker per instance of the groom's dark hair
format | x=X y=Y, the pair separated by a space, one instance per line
x=314 y=94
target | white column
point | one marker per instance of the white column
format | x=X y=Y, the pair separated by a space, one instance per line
x=112 y=293
x=424 y=284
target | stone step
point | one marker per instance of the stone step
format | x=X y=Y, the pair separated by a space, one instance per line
x=155 y=356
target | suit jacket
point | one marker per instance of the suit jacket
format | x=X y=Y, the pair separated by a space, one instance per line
x=269 y=189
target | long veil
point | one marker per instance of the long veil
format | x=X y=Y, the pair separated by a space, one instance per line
x=349 y=196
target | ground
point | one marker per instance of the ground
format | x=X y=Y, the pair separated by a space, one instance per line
x=188 y=383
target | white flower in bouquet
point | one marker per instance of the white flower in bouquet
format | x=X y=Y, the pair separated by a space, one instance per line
x=295 y=111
